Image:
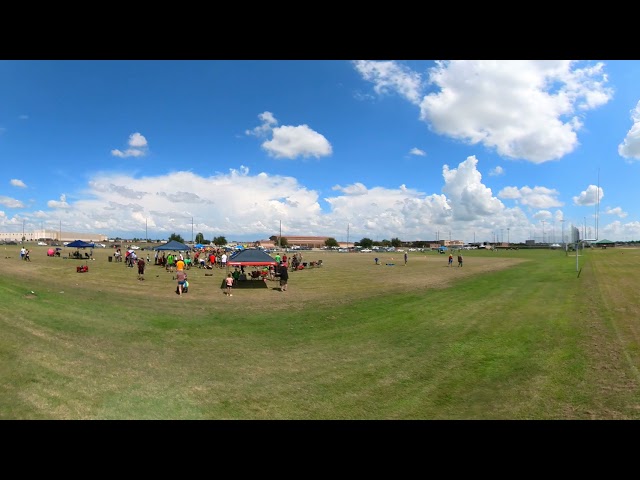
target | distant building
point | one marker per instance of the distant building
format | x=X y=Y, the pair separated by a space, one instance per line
x=297 y=240
x=52 y=235
x=575 y=234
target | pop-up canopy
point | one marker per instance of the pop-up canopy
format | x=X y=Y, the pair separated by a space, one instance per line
x=80 y=244
x=251 y=257
x=173 y=245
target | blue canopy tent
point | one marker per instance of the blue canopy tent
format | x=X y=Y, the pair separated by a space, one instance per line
x=173 y=245
x=80 y=244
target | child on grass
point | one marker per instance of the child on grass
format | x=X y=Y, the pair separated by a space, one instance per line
x=229 y=283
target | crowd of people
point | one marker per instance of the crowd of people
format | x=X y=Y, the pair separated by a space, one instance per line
x=208 y=259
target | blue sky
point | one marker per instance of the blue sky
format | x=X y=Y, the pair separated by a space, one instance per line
x=419 y=150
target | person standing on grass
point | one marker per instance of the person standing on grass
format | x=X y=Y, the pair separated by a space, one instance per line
x=406 y=257
x=180 y=264
x=459 y=259
x=141 y=265
x=181 y=276
x=451 y=259
x=284 y=278
x=229 y=284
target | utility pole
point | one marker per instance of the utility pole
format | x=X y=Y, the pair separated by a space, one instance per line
x=508 y=240
x=347 y=238
x=191 y=230
x=280 y=236
x=146 y=231
x=542 y=231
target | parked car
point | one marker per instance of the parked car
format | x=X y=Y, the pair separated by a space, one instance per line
x=366 y=250
x=43 y=244
x=99 y=245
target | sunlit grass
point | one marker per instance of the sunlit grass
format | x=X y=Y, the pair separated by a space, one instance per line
x=511 y=335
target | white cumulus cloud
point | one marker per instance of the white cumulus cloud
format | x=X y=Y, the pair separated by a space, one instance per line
x=589 y=196
x=391 y=76
x=290 y=141
x=523 y=109
x=62 y=203
x=617 y=211
x=536 y=197
x=138 y=147
x=10 y=202
x=630 y=146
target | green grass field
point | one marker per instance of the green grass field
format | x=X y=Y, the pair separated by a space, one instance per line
x=510 y=335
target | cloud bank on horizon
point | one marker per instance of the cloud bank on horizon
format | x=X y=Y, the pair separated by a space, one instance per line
x=400 y=152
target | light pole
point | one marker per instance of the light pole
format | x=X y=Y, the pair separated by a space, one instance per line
x=347 y=238
x=508 y=240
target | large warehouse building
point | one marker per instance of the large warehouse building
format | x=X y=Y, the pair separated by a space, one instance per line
x=57 y=235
